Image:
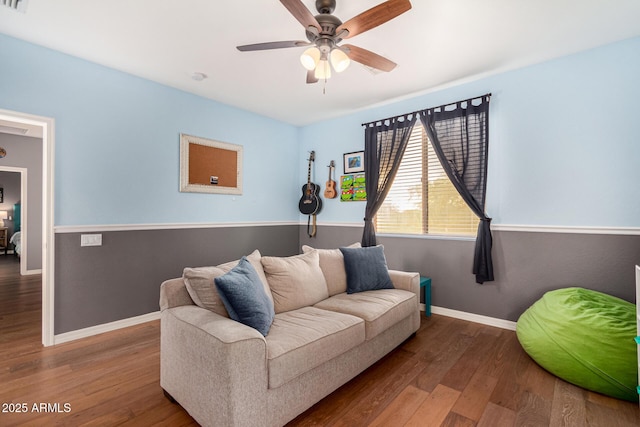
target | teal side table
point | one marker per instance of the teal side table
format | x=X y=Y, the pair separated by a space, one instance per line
x=425 y=282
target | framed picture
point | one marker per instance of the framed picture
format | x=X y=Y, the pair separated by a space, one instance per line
x=353 y=162
x=208 y=166
x=353 y=188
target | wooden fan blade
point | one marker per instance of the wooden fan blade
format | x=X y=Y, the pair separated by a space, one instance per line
x=301 y=13
x=311 y=77
x=373 y=17
x=272 y=45
x=368 y=58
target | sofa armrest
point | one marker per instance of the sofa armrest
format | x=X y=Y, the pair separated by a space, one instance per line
x=405 y=280
x=209 y=363
x=221 y=330
x=173 y=293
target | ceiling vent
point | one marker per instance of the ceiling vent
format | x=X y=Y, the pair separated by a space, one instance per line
x=19 y=5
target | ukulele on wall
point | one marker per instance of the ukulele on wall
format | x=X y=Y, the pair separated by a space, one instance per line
x=310 y=203
x=330 y=189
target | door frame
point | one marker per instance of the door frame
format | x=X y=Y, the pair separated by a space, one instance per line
x=48 y=250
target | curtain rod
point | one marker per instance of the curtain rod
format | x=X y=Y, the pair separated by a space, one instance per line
x=425 y=109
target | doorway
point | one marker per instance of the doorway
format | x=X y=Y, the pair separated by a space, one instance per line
x=16 y=216
x=46 y=125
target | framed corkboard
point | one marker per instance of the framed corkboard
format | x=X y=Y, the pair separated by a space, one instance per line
x=208 y=166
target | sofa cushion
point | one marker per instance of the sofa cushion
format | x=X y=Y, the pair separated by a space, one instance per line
x=202 y=290
x=303 y=339
x=332 y=266
x=199 y=284
x=366 y=269
x=295 y=281
x=244 y=298
x=379 y=309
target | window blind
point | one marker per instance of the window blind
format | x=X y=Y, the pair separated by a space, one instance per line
x=422 y=199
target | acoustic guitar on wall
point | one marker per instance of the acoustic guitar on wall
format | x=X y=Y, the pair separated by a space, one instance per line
x=310 y=203
x=330 y=189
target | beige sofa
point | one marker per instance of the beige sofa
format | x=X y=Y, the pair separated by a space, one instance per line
x=224 y=373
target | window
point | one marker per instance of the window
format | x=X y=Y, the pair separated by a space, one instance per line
x=411 y=207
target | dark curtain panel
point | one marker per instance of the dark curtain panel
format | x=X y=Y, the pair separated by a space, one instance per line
x=384 y=146
x=460 y=138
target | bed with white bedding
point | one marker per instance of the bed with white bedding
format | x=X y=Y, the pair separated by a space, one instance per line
x=16 y=241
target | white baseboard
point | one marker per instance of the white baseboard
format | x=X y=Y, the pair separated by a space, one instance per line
x=476 y=318
x=106 y=327
x=132 y=321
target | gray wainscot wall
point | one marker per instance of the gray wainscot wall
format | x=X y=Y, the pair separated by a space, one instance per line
x=526 y=265
x=121 y=278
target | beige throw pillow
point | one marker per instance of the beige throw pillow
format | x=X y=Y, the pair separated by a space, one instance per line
x=202 y=289
x=203 y=292
x=332 y=266
x=296 y=281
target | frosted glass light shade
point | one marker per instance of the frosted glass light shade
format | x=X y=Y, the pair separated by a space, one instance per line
x=323 y=70
x=310 y=58
x=4 y=215
x=339 y=60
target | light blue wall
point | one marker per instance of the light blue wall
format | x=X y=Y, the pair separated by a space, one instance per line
x=564 y=140
x=564 y=150
x=117 y=144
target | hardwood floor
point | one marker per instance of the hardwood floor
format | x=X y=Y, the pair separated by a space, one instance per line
x=457 y=373
x=453 y=373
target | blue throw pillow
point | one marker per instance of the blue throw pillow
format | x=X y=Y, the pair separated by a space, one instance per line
x=243 y=296
x=366 y=269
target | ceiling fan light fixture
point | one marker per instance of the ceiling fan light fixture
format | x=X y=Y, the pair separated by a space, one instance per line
x=325 y=31
x=310 y=58
x=323 y=70
x=339 y=60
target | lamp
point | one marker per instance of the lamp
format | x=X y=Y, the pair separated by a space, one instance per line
x=322 y=58
x=4 y=215
x=339 y=60
x=323 y=70
x=310 y=58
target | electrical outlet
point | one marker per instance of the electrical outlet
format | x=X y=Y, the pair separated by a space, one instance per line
x=91 y=240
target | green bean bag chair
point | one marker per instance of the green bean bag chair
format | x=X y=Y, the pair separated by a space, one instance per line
x=584 y=337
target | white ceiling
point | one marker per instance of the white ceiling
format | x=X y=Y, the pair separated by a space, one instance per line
x=436 y=43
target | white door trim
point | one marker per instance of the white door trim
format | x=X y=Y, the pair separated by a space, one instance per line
x=48 y=256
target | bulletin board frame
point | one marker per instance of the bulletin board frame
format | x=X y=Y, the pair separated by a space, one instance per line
x=210 y=166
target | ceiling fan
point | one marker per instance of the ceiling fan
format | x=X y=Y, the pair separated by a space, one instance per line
x=325 y=31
